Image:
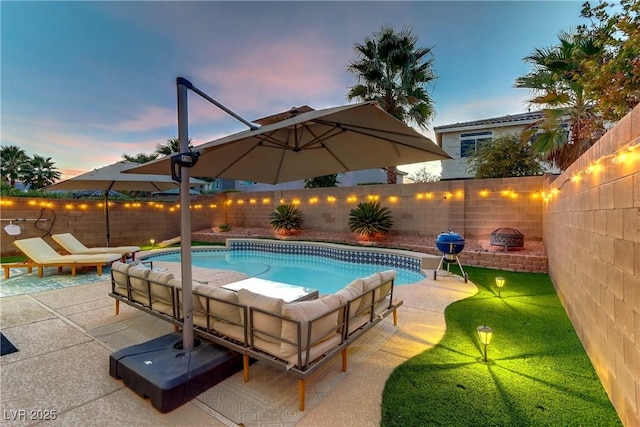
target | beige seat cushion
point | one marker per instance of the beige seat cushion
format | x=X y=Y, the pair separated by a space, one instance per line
x=304 y=311
x=268 y=324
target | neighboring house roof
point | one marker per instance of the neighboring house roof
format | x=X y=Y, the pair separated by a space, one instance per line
x=523 y=118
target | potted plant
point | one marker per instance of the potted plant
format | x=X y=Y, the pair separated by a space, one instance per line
x=286 y=219
x=370 y=220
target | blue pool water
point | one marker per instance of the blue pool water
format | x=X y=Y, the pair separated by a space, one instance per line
x=326 y=275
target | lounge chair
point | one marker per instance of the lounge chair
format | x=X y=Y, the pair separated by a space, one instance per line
x=40 y=255
x=74 y=247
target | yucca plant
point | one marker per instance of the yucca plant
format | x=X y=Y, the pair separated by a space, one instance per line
x=286 y=219
x=370 y=219
x=224 y=227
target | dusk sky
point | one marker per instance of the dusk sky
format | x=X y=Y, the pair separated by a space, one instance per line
x=85 y=82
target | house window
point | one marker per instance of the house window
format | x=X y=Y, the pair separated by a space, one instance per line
x=470 y=142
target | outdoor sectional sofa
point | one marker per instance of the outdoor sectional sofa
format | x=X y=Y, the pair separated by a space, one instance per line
x=298 y=337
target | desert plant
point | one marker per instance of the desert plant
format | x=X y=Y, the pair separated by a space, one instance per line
x=286 y=219
x=224 y=227
x=369 y=219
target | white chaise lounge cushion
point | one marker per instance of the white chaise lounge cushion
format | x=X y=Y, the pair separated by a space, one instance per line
x=305 y=311
x=269 y=324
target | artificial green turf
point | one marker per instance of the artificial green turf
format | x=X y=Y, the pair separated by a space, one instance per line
x=538 y=373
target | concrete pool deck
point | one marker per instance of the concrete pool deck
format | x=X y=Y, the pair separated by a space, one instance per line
x=65 y=337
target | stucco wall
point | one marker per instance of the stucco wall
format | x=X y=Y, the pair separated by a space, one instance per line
x=592 y=236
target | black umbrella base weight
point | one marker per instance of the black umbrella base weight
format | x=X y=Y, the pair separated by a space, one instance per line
x=169 y=376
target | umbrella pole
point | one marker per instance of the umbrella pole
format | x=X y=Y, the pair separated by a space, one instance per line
x=185 y=221
x=106 y=215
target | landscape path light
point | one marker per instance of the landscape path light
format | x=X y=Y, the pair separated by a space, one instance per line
x=485 y=333
x=500 y=283
x=153 y=242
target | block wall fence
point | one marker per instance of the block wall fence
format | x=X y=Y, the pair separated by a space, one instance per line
x=473 y=208
x=588 y=218
x=592 y=236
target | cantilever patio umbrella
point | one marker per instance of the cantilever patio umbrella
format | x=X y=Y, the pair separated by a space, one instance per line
x=297 y=144
x=309 y=144
x=109 y=178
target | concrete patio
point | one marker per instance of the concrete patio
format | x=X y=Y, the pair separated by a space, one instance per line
x=65 y=337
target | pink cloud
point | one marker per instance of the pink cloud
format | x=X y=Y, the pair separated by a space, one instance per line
x=72 y=151
x=281 y=75
x=149 y=117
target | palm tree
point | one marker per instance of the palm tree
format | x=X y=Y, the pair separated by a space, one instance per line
x=171 y=147
x=556 y=87
x=40 y=172
x=393 y=71
x=140 y=157
x=13 y=160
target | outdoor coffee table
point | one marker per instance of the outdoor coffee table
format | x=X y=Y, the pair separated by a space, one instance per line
x=284 y=291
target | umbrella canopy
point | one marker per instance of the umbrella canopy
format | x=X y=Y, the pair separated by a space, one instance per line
x=305 y=143
x=109 y=178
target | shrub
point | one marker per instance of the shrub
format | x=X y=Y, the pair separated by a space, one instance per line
x=224 y=227
x=286 y=219
x=369 y=219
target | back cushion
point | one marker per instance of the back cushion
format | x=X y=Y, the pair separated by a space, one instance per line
x=371 y=281
x=352 y=293
x=138 y=277
x=272 y=325
x=386 y=277
x=307 y=310
x=119 y=273
x=162 y=293
x=227 y=312
x=195 y=302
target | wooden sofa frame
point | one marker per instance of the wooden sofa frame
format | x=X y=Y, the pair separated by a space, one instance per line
x=374 y=310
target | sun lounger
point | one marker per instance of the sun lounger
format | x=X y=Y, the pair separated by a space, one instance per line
x=74 y=247
x=40 y=255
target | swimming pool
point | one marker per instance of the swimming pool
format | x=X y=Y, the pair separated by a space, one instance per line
x=301 y=265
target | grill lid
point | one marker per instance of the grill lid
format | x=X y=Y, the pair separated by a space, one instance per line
x=450 y=243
